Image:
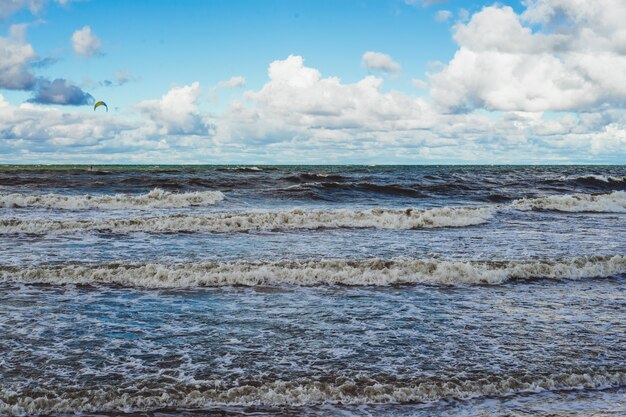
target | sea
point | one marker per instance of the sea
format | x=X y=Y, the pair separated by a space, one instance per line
x=312 y=291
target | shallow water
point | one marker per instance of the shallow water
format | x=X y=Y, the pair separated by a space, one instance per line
x=337 y=308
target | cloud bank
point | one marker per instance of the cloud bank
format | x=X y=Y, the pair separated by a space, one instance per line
x=574 y=61
x=301 y=115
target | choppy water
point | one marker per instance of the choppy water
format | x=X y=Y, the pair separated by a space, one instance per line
x=382 y=291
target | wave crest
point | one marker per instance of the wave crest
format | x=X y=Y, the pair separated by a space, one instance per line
x=614 y=202
x=268 y=220
x=591 y=178
x=156 y=198
x=198 y=394
x=370 y=272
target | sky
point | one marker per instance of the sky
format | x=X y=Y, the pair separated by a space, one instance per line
x=313 y=82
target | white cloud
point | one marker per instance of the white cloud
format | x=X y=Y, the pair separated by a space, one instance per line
x=232 y=82
x=300 y=114
x=576 y=60
x=85 y=43
x=15 y=57
x=379 y=62
x=297 y=102
x=443 y=15
x=167 y=129
x=34 y=133
x=176 y=113
x=39 y=127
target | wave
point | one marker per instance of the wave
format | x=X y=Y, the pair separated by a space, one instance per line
x=156 y=198
x=158 y=393
x=369 y=272
x=593 y=179
x=242 y=169
x=305 y=177
x=614 y=202
x=412 y=190
x=264 y=221
x=392 y=189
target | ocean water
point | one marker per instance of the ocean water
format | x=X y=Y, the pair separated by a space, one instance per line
x=317 y=291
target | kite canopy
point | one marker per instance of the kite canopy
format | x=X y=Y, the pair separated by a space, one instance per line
x=100 y=103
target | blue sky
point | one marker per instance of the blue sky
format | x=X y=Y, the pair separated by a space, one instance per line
x=378 y=81
x=165 y=43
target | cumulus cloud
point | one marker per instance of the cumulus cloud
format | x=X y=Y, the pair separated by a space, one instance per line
x=176 y=112
x=60 y=91
x=85 y=43
x=378 y=61
x=558 y=55
x=298 y=103
x=232 y=82
x=15 y=58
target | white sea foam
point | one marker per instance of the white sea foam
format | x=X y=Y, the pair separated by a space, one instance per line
x=370 y=272
x=156 y=198
x=614 y=202
x=145 y=395
x=266 y=220
x=603 y=178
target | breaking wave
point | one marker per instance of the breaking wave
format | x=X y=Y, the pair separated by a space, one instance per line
x=242 y=169
x=156 y=198
x=370 y=272
x=268 y=220
x=614 y=202
x=156 y=393
x=595 y=178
